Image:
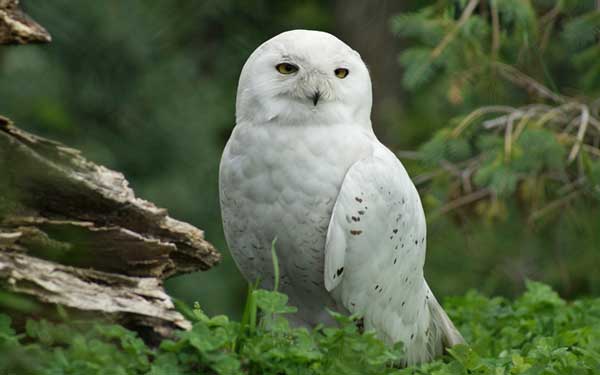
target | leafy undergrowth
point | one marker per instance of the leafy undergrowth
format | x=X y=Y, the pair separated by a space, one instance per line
x=539 y=333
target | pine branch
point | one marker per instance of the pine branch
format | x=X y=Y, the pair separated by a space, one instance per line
x=462 y=201
x=520 y=79
x=464 y=17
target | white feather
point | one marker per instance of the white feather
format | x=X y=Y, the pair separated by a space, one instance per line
x=349 y=222
x=380 y=230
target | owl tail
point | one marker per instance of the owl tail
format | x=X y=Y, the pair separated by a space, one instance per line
x=438 y=334
x=445 y=334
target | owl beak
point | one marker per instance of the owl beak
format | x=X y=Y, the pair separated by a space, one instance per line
x=316 y=97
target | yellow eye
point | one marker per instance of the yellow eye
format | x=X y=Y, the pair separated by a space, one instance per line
x=286 y=68
x=341 y=73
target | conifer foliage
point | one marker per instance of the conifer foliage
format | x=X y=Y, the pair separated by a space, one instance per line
x=523 y=79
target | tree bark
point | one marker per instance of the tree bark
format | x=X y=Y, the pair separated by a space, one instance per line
x=17 y=27
x=365 y=25
x=73 y=233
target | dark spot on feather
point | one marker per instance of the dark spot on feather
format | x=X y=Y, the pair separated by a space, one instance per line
x=340 y=270
x=395 y=259
x=361 y=212
x=395 y=230
x=358 y=199
x=355 y=218
x=355 y=232
x=412 y=336
x=403 y=303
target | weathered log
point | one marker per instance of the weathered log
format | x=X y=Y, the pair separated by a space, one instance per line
x=17 y=27
x=49 y=190
x=139 y=303
x=73 y=233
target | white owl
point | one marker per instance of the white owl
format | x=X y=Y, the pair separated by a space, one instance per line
x=304 y=166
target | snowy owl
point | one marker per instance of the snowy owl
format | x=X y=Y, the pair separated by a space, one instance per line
x=304 y=166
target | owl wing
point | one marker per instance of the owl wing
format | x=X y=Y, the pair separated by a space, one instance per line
x=374 y=256
x=377 y=228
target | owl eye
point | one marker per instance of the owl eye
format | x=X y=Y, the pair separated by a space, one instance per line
x=341 y=72
x=286 y=68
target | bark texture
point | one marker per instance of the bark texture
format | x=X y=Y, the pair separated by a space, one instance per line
x=17 y=27
x=73 y=233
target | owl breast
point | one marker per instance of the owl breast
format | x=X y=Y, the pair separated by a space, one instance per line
x=282 y=182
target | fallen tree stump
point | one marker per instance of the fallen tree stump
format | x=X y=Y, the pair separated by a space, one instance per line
x=73 y=233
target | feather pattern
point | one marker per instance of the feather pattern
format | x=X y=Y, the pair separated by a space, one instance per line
x=374 y=257
x=304 y=166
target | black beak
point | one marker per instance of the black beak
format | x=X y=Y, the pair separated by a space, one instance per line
x=316 y=97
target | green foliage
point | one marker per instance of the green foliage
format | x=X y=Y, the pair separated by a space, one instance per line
x=445 y=147
x=75 y=348
x=581 y=34
x=214 y=345
x=529 y=35
x=514 y=159
x=538 y=333
x=528 y=153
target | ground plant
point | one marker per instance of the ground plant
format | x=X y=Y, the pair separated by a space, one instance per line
x=537 y=333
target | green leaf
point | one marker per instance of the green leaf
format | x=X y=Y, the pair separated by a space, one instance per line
x=5 y=328
x=273 y=302
x=498 y=177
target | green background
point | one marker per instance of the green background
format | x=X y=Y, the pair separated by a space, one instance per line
x=148 y=88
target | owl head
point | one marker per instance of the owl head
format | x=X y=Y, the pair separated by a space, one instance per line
x=304 y=77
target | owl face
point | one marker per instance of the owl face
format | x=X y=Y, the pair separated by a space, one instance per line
x=304 y=76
